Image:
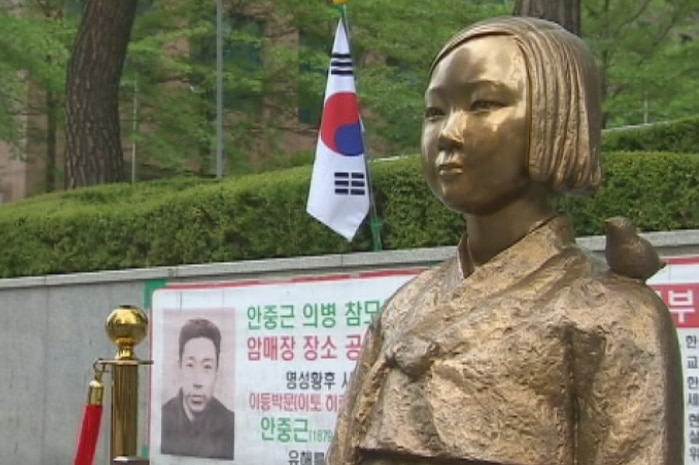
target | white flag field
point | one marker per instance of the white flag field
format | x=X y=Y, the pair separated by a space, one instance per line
x=339 y=192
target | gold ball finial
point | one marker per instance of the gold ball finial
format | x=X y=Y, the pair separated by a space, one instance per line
x=126 y=326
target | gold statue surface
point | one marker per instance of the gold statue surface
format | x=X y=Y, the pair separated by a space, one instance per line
x=521 y=350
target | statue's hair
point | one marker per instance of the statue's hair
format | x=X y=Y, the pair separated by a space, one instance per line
x=564 y=100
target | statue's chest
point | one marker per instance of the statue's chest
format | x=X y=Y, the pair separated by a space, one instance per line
x=511 y=340
x=496 y=376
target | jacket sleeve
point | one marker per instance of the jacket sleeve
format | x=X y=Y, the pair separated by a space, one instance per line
x=343 y=448
x=628 y=382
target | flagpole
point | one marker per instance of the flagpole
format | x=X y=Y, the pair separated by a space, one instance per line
x=375 y=222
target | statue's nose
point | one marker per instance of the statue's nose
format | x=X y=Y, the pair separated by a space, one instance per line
x=452 y=135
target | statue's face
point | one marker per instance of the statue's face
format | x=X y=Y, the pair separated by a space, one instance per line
x=475 y=136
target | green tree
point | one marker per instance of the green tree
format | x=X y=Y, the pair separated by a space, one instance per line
x=93 y=135
x=275 y=73
x=276 y=67
x=172 y=58
x=32 y=71
x=394 y=61
x=644 y=62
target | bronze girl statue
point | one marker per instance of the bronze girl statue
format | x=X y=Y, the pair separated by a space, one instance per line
x=520 y=350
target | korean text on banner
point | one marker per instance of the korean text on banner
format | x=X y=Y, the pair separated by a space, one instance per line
x=678 y=285
x=285 y=355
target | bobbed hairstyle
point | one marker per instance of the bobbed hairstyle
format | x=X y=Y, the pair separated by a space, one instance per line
x=564 y=100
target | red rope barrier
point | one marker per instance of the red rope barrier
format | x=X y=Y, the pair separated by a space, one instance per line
x=92 y=419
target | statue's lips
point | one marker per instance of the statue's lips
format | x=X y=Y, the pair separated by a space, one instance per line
x=449 y=169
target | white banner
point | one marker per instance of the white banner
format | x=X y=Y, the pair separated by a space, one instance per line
x=269 y=392
x=286 y=353
x=678 y=285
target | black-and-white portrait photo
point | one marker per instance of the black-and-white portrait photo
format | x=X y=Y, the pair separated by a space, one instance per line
x=194 y=422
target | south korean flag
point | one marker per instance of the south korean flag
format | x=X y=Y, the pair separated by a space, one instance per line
x=339 y=193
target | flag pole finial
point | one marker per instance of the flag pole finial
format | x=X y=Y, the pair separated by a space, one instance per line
x=342 y=6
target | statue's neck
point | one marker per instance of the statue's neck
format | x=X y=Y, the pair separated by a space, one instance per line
x=490 y=234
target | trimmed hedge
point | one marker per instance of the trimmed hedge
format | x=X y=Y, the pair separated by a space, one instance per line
x=262 y=216
x=679 y=136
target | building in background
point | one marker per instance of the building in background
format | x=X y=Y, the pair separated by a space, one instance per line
x=26 y=173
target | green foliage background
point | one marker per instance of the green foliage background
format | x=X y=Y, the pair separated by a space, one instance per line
x=648 y=55
x=680 y=136
x=189 y=220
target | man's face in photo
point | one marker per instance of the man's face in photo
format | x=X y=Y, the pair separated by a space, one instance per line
x=198 y=368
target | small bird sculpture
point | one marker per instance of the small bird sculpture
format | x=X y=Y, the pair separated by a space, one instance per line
x=627 y=253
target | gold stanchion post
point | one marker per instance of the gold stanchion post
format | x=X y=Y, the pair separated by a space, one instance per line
x=126 y=326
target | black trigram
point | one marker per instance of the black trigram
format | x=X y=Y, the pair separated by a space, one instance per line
x=350 y=183
x=341 y=64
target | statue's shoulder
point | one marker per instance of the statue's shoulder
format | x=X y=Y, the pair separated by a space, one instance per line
x=423 y=286
x=619 y=307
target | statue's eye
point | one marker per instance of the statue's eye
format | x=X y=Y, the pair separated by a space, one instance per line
x=433 y=113
x=485 y=105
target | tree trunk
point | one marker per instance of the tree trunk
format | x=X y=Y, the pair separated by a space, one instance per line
x=93 y=136
x=604 y=66
x=604 y=83
x=51 y=136
x=564 y=12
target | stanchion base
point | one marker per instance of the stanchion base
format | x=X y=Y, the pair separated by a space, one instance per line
x=130 y=461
